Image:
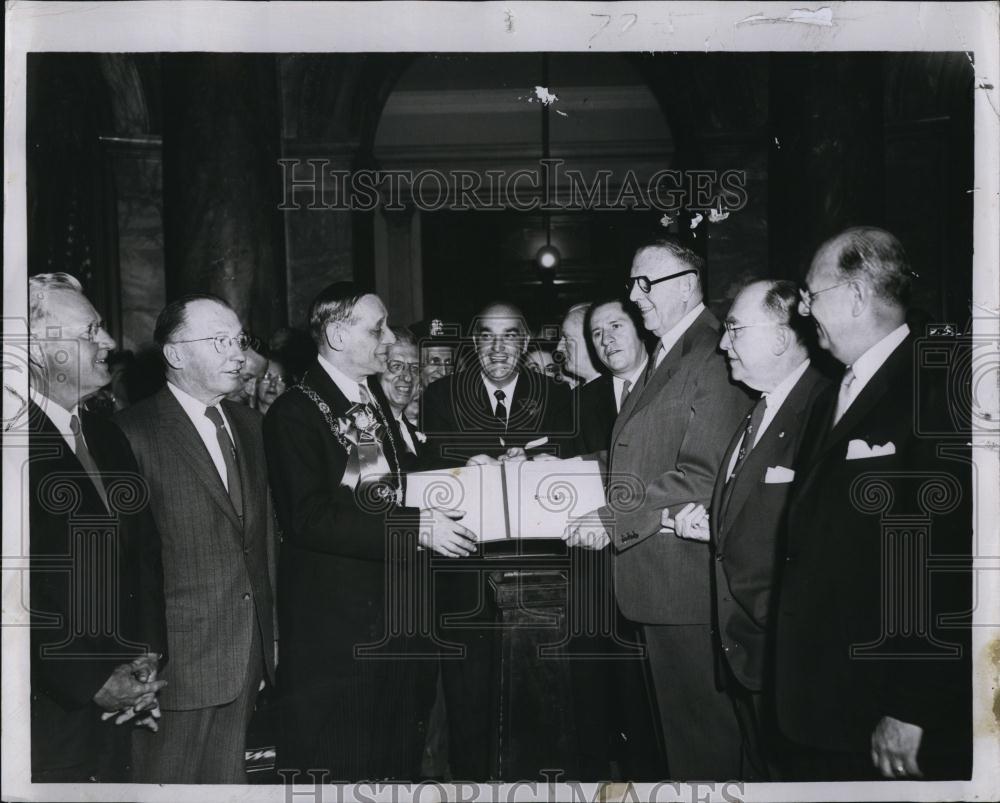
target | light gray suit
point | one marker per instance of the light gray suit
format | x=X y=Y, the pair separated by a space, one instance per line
x=666 y=448
x=217 y=583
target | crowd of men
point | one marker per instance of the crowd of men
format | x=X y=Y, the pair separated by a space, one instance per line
x=788 y=633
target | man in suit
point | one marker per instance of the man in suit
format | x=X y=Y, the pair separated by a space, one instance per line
x=613 y=328
x=475 y=416
x=353 y=696
x=765 y=344
x=400 y=382
x=203 y=458
x=89 y=673
x=572 y=351
x=870 y=679
x=666 y=448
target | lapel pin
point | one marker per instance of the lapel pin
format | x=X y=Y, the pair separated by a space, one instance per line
x=781 y=434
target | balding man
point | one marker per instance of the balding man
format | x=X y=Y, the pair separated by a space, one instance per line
x=98 y=632
x=871 y=678
x=203 y=457
x=574 y=354
x=765 y=344
x=666 y=448
x=475 y=416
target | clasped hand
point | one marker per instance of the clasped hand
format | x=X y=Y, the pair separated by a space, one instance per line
x=131 y=690
x=691 y=523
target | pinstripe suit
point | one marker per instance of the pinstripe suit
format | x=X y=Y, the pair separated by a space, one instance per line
x=218 y=590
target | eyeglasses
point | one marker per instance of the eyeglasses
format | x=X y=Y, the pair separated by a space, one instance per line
x=274 y=379
x=646 y=284
x=93 y=331
x=397 y=366
x=223 y=343
x=734 y=331
x=809 y=296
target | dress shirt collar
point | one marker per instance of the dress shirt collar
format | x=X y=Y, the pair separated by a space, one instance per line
x=669 y=340
x=776 y=397
x=867 y=364
x=195 y=408
x=56 y=413
x=492 y=387
x=619 y=381
x=349 y=387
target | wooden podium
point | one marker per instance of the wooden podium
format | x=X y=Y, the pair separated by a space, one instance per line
x=534 y=725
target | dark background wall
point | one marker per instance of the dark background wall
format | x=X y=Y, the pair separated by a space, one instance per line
x=155 y=174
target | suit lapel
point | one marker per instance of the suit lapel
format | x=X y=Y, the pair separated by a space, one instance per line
x=55 y=446
x=526 y=402
x=771 y=444
x=888 y=374
x=719 y=493
x=185 y=437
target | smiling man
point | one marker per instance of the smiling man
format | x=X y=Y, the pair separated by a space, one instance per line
x=666 y=447
x=348 y=553
x=203 y=457
x=474 y=416
x=84 y=665
x=400 y=382
x=861 y=690
x=572 y=346
x=765 y=344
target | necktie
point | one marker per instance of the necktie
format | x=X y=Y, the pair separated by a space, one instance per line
x=753 y=424
x=626 y=387
x=656 y=359
x=844 y=396
x=229 y=458
x=501 y=410
x=86 y=460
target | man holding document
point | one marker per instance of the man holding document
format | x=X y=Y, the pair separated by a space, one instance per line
x=478 y=418
x=352 y=701
x=666 y=448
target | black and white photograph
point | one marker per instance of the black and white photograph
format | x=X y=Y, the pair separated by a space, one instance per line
x=501 y=401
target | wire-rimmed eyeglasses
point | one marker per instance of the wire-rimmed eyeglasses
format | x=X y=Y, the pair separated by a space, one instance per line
x=395 y=367
x=646 y=284
x=223 y=343
x=809 y=296
x=733 y=330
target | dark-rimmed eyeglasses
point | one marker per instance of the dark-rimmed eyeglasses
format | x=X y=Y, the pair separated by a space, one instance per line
x=223 y=343
x=646 y=284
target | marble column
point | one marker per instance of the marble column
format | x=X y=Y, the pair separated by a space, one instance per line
x=222 y=183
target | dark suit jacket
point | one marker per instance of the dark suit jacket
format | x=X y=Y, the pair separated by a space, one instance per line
x=837 y=669
x=332 y=566
x=746 y=520
x=457 y=417
x=216 y=572
x=595 y=415
x=666 y=447
x=70 y=662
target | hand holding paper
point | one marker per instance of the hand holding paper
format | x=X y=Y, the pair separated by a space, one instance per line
x=440 y=531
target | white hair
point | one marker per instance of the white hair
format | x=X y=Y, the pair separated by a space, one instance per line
x=39 y=289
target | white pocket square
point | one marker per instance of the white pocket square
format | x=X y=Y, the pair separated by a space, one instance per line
x=778 y=474
x=858 y=449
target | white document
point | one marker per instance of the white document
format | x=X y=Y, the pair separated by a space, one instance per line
x=513 y=500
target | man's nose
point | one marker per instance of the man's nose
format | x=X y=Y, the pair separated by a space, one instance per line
x=804 y=308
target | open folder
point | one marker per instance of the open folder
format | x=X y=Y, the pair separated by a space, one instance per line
x=525 y=499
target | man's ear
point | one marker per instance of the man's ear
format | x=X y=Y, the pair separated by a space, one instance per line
x=861 y=296
x=334 y=334
x=782 y=340
x=172 y=356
